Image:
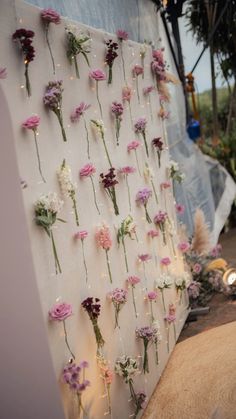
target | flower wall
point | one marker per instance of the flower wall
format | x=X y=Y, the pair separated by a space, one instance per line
x=97 y=183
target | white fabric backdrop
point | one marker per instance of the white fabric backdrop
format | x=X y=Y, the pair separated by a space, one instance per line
x=70 y=286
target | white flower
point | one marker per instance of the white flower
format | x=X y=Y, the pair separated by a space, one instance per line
x=98 y=125
x=148 y=172
x=143 y=49
x=65 y=180
x=173 y=165
x=179 y=282
x=50 y=203
x=164 y=281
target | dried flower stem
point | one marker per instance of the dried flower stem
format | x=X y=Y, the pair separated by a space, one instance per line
x=163 y=299
x=129 y=198
x=117 y=122
x=134 y=304
x=80 y=405
x=109 y=74
x=76 y=67
x=145 y=142
x=74 y=206
x=137 y=162
x=130 y=114
x=137 y=88
x=126 y=261
x=147 y=215
x=56 y=260
x=58 y=113
x=152 y=315
x=94 y=195
x=145 y=358
x=87 y=137
x=123 y=62
x=106 y=150
x=150 y=105
x=84 y=261
x=108 y=266
x=174 y=331
x=66 y=339
x=154 y=191
x=168 y=337
x=99 y=103
x=27 y=81
x=49 y=47
x=38 y=157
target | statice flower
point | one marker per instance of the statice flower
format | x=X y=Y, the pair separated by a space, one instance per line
x=52 y=99
x=148 y=335
x=117 y=110
x=74 y=376
x=118 y=297
x=160 y=221
x=142 y=198
x=140 y=128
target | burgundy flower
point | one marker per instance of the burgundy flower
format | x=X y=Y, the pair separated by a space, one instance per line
x=111 y=55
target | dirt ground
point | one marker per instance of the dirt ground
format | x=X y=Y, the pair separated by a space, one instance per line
x=222 y=308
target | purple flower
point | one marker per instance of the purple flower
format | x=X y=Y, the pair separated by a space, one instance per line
x=148 y=333
x=143 y=196
x=117 y=108
x=97 y=75
x=194 y=289
x=160 y=217
x=122 y=35
x=79 y=111
x=140 y=125
x=152 y=295
x=118 y=296
x=72 y=376
x=145 y=257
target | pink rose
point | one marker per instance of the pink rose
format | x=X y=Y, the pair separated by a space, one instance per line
x=165 y=185
x=165 y=261
x=31 y=123
x=126 y=170
x=122 y=35
x=184 y=246
x=97 y=75
x=152 y=295
x=87 y=170
x=133 y=145
x=3 y=73
x=50 y=16
x=82 y=234
x=197 y=268
x=126 y=94
x=133 y=280
x=137 y=70
x=152 y=233
x=59 y=312
x=144 y=257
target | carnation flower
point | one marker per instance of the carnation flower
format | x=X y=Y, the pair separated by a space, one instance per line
x=133 y=145
x=98 y=75
x=50 y=16
x=184 y=247
x=87 y=171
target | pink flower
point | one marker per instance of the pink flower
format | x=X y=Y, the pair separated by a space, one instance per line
x=140 y=125
x=216 y=251
x=126 y=170
x=144 y=257
x=152 y=295
x=79 y=111
x=87 y=170
x=160 y=217
x=103 y=237
x=60 y=311
x=165 y=185
x=97 y=75
x=184 y=246
x=118 y=295
x=133 y=280
x=81 y=235
x=148 y=89
x=3 y=73
x=126 y=94
x=197 y=268
x=122 y=35
x=163 y=114
x=179 y=208
x=50 y=16
x=133 y=145
x=158 y=54
x=165 y=261
x=117 y=108
x=152 y=233
x=31 y=123
x=137 y=70
x=171 y=316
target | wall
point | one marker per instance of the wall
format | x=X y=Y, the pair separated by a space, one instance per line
x=70 y=286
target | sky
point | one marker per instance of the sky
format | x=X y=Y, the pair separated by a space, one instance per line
x=191 y=51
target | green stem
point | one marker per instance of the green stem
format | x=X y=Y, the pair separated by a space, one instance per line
x=76 y=67
x=145 y=358
x=106 y=150
x=94 y=195
x=145 y=142
x=99 y=103
x=137 y=88
x=27 y=81
x=126 y=261
x=168 y=336
x=49 y=47
x=152 y=316
x=147 y=215
x=56 y=260
x=66 y=339
x=99 y=339
x=127 y=184
x=60 y=120
x=87 y=138
x=163 y=299
x=117 y=310
x=154 y=191
x=80 y=405
x=130 y=114
x=109 y=74
x=123 y=62
x=84 y=261
x=134 y=304
x=137 y=162
x=113 y=197
x=150 y=104
x=156 y=353
x=117 y=122
x=38 y=157
x=74 y=206
x=174 y=331
x=108 y=266
x=159 y=158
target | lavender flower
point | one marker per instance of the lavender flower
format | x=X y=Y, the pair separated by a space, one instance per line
x=74 y=376
x=148 y=334
x=117 y=110
x=142 y=198
x=140 y=128
x=75 y=117
x=53 y=100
